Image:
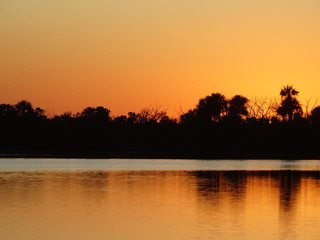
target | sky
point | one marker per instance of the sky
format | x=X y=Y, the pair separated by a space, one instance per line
x=125 y=55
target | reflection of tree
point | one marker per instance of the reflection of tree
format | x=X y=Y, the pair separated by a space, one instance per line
x=93 y=179
x=212 y=183
x=22 y=187
x=289 y=186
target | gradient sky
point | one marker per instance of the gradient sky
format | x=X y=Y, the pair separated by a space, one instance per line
x=125 y=55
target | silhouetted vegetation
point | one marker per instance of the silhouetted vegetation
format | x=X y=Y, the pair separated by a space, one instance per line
x=290 y=106
x=217 y=127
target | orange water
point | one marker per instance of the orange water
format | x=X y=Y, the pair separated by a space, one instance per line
x=147 y=205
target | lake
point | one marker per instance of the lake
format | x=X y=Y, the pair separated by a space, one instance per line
x=133 y=199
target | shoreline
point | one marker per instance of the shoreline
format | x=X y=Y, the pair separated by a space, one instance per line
x=153 y=155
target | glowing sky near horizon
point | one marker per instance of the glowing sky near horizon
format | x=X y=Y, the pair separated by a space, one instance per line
x=125 y=55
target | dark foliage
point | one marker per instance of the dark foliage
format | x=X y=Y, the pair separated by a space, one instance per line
x=216 y=128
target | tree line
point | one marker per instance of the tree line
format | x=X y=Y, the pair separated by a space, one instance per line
x=215 y=127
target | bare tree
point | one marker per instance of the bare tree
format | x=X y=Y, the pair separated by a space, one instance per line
x=152 y=114
x=308 y=109
x=262 y=108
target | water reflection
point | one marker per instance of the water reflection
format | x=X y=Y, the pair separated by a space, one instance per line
x=288 y=183
x=159 y=205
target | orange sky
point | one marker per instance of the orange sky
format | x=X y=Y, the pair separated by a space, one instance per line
x=125 y=55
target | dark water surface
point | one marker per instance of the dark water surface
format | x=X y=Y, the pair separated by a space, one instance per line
x=159 y=199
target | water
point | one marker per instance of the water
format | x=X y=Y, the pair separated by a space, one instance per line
x=21 y=164
x=158 y=199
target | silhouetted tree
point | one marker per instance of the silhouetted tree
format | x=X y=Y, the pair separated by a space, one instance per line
x=289 y=106
x=97 y=114
x=210 y=129
x=262 y=108
x=315 y=116
x=65 y=117
x=133 y=117
x=209 y=108
x=24 y=109
x=237 y=107
x=151 y=114
x=188 y=117
x=212 y=107
x=7 y=111
x=121 y=119
x=309 y=107
x=40 y=113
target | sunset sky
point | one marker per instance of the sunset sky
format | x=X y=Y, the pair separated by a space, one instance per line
x=125 y=55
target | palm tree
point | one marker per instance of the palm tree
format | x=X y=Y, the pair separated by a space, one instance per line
x=238 y=107
x=290 y=105
x=288 y=92
x=212 y=107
